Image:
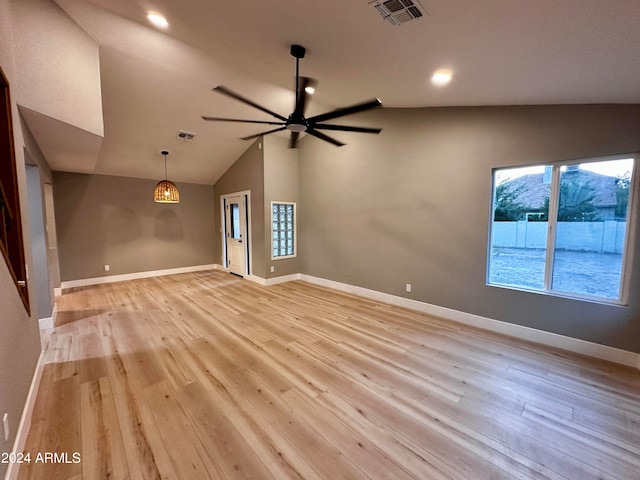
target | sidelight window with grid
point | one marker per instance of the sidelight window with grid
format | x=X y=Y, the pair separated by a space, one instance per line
x=283 y=230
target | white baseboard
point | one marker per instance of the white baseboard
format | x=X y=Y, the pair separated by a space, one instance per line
x=84 y=282
x=256 y=279
x=25 y=420
x=603 y=352
x=266 y=282
x=57 y=291
x=45 y=323
x=526 y=333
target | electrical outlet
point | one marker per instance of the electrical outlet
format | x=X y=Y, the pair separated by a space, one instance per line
x=106 y=268
x=5 y=422
x=273 y=269
x=408 y=287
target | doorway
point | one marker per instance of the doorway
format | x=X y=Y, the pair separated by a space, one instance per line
x=236 y=237
x=42 y=287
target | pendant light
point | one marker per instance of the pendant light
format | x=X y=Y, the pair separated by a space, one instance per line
x=166 y=191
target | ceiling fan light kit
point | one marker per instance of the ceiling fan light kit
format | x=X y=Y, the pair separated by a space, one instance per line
x=296 y=122
x=166 y=191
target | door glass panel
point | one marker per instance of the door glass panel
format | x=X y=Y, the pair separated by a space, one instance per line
x=593 y=209
x=234 y=211
x=519 y=226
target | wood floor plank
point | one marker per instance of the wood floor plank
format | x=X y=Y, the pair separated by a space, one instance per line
x=224 y=443
x=186 y=452
x=207 y=375
x=272 y=448
x=373 y=461
x=102 y=444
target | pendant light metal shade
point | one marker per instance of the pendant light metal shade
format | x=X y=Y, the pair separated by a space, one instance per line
x=166 y=191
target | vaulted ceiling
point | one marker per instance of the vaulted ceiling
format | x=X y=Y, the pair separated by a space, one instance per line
x=155 y=82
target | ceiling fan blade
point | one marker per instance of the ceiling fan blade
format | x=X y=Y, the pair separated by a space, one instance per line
x=324 y=137
x=341 y=112
x=225 y=91
x=218 y=119
x=293 y=142
x=263 y=133
x=346 y=128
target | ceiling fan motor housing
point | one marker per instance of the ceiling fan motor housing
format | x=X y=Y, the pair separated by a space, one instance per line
x=297 y=123
x=298 y=51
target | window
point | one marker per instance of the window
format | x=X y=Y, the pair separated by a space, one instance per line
x=234 y=224
x=11 y=241
x=283 y=230
x=563 y=229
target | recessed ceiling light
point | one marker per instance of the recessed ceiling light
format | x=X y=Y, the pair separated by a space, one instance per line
x=441 y=78
x=158 y=20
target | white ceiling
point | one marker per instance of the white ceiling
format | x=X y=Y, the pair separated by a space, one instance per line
x=502 y=52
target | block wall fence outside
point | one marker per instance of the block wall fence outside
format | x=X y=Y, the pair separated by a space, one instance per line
x=601 y=237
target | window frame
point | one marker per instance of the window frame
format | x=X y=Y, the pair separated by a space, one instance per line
x=630 y=234
x=295 y=231
x=12 y=239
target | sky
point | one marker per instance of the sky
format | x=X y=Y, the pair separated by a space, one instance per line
x=613 y=168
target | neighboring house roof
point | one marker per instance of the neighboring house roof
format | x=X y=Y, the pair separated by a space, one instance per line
x=535 y=189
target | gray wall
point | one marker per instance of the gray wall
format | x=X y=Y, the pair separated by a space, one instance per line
x=20 y=337
x=247 y=173
x=280 y=184
x=411 y=205
x=110 y=220
x=43 y=298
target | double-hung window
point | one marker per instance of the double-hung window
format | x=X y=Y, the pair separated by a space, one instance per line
x=564 y=228
x=283 y=230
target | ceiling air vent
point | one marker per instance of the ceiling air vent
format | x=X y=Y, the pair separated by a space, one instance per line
x=187 y=136
x=398 y=12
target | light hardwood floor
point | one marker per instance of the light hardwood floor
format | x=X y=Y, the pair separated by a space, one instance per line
x=206 y=375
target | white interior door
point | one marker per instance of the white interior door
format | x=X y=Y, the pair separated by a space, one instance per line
x=236 y=222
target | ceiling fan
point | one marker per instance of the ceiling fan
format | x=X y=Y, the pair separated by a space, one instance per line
x=296 y=123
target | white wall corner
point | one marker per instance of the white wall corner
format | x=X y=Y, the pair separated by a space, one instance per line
x=256 y=279
x=45 y=323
